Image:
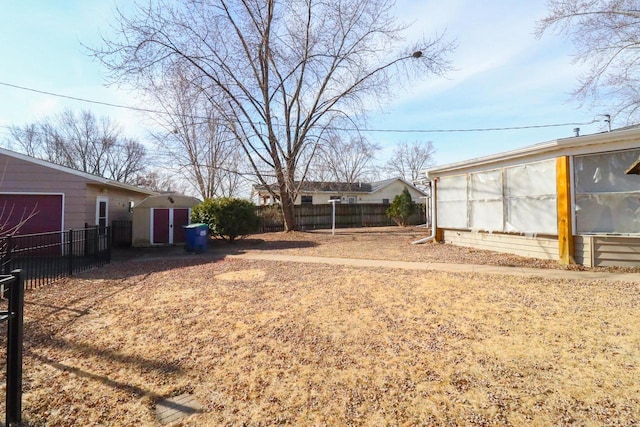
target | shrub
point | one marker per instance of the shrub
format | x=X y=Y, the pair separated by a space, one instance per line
x=401 y=208
x=228 y=218
x=271 y=217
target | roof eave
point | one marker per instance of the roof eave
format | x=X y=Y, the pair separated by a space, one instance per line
x=541 y=148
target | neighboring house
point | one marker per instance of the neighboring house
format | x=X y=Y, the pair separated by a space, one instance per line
x=572 y=200
x=320 y=193
x=53 y=198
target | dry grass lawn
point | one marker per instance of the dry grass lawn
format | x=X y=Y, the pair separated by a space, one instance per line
x=264 y=343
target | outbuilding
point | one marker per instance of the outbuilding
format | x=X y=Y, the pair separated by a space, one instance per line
x=159 y=220
x=37 y=196
x=574 y=200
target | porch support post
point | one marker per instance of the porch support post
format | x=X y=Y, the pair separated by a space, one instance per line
x=438 y=233
x=565 y=227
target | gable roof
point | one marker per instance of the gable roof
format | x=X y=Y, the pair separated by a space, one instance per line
x=379 y=185
x=90 y=178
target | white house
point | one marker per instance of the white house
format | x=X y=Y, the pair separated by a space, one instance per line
x=320 y=193
x=573 y=200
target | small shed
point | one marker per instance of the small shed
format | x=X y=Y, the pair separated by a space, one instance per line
x=159 y=220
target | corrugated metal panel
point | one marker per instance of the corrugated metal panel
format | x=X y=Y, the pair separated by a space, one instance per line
x=616 y=251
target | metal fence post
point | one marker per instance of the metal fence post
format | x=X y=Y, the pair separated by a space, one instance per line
x=14 y=350
x=70 y=250
x=109 y=243
x=6 y=259
x=96 y=241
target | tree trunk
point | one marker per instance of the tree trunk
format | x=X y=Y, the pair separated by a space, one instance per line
x=288 y=211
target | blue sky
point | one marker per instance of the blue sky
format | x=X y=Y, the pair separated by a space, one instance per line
x=504 y=76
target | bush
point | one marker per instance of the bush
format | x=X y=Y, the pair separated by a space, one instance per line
x=271 y=216
x=228 y=218
x=401 y=208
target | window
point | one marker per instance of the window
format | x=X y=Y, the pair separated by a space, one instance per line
x=530 y=197
x=352 y=200
x=306 y=200
x=385 y=201
x=485 y=201
x=452 y=202
x=607 y=199
x=515 y=199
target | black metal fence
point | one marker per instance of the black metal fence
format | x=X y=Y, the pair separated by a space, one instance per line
x=121 y=234
x=47 y=257
x=12 y=287
x=310 y=217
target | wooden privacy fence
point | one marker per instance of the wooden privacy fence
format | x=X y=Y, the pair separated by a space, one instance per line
x=311 y=217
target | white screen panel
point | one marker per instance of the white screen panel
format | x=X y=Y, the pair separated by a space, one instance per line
x=485 y=185
x=535 y=215
x=486 y=215
x=531 y=179
x=452 y=214
x=452 y=188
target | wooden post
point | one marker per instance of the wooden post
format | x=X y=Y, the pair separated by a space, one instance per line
x=439 y=233
x=565 y=227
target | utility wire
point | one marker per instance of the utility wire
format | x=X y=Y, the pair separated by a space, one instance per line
x=90 y=101
x=148 y=110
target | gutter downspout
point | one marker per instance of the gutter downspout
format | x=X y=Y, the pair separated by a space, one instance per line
x=433 y=219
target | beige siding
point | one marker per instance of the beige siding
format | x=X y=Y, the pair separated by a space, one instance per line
x=25 y=177
x=616 y=251
x=532 y=247
x=582 y=250
x=21 y=176
x=323 y=198
x=141 y=236
x=392 y=190
x=389 y=192
x=118 y=203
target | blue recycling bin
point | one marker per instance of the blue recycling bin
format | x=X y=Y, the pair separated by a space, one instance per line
x=197 y=237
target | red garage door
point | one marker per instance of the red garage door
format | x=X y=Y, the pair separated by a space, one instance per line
x=30 y=213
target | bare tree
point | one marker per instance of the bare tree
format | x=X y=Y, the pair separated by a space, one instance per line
x=606 y=36
x=196 y=143
x=409 y=160
x=161 y=182
x=280 y=72
x=344 y=160
x=82 y=142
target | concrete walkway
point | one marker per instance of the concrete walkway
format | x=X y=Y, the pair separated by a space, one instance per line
x=446 y=267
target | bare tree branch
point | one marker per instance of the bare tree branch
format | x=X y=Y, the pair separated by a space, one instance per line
x=278 y=72
x=606 y=37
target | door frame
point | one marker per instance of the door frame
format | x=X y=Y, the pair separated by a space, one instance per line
x=104 y=199
x=171 y=224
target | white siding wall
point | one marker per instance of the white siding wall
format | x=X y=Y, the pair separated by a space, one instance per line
x=532 y=247
x=582 y=250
